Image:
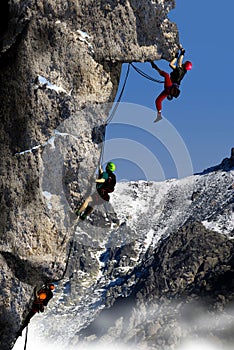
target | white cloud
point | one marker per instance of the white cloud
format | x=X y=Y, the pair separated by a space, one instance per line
x=198 y=345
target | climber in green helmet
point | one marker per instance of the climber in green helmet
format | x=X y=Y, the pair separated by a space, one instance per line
x=104 y=185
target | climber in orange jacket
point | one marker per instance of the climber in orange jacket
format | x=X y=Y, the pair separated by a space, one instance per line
x=41 y=299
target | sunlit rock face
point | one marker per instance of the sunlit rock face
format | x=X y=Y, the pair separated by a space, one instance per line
x=58 y=61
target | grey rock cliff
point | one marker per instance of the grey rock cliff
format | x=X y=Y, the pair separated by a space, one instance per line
x=58 y=61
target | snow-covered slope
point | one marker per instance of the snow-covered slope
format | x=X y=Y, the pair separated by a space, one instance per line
x=163 y=207
x=109 y=262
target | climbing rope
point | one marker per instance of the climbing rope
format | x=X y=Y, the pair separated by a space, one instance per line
x=68 y=258
x=26 y=338
x=145 y=75
x=112 y=114
x=139 y=71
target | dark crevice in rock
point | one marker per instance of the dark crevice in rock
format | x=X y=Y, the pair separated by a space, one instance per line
x=26 y=271
x=98 y=134
x=4 y=17
x=114 y=69
x=8 y=58
x=15 y=132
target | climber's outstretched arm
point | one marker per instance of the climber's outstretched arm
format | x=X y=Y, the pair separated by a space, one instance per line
x=172 y=64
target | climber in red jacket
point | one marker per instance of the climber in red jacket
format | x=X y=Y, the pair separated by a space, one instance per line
x=172 y=81
x=170 y=90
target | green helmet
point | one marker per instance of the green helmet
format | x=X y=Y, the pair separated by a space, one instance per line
x=110 y=166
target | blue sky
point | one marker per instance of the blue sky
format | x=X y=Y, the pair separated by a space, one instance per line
x=203 y=115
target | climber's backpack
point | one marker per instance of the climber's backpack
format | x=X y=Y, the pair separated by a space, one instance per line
x=174 y=91
x=109 y=184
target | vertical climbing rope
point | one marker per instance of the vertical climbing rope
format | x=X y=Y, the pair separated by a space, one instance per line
x=112 y=114
x=68 y=258
x=26 y=338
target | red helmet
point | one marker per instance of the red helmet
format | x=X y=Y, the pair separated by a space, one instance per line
x=188 y=65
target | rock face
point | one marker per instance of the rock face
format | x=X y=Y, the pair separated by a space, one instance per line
x=58 y=61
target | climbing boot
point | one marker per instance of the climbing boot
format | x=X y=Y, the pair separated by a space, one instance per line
x=86 y=213
x=159 y=117
x=83 y=216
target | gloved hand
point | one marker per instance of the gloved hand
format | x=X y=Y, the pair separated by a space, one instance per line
x=177 y=54
x=182 y=51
